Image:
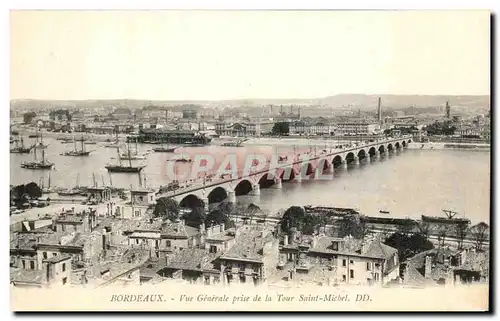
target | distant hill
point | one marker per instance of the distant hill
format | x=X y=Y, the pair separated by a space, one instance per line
x=338 y=101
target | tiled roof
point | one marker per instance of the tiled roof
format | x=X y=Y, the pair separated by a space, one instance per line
x=380 y=250
x=193 y=259
x=57 y=258
x=249 y=245
x=26 y=276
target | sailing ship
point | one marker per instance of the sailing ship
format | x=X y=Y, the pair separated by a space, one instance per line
x=132 y=155
x=20 y=149
x=181 y=159
x=163 y=149
x=114 y=144
x=38 y=164
x=73 y=191
x=48 y=189
x=75 y=152
x=121 y=168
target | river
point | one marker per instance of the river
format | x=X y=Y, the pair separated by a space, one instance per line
x=407 y=184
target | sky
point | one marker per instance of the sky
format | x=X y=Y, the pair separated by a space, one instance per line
x=215 y=55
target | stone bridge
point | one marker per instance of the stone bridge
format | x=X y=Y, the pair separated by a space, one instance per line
x=305 y=166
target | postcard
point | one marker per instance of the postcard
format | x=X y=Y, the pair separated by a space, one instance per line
x=188 y=160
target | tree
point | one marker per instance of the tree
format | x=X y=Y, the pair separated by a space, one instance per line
x=28 y=117
x=281 y=128
x=406 y=226
x=33 y=190
x=195 y=217
x=408 y=246
x=480 y=234
x=424 y=229
x=167 y=208
x=293 y=217
x=461 y=230
x=442 y=232
x=353 y=225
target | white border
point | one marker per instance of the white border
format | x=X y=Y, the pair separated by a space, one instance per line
x=198 y=4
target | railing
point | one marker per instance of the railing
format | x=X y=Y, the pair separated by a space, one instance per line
x=197 y=186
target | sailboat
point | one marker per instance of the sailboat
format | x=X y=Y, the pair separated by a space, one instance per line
x=36 y=164
x=120 y=168
x=115 y=144
x=132 y=156
x=73 y=191
x=48 y=189
x=20 y=149
x=75 y=152
x=163 y=149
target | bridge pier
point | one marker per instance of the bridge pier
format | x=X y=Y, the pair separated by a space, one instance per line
x=277 y=183
x=205 y=204
x=231 y=196
x=356 y=160
x=255 y=190
x=298 y=178
x=376 y=155
x=343 y=164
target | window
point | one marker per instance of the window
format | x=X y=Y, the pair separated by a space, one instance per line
x=168 y=243
x=335 y=246
x=344 y=262
x=137 y=213
x=64 y=267
x=376 y=276
x=64 y=280
x=213 y=249
x=63 y=227
x=136 y=241
x=24 y=264
x=141 y=198
x=368 y=266
x=32 y=265
x=351 y=262
x=44 y=255
x=344 y=278
x=242 y=279
x=157 y=244
x=54 y=254
x=351 y=272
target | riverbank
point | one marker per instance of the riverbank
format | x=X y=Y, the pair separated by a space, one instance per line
x=458 y=146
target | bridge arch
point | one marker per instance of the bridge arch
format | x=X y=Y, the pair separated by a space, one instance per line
x=390 y=147
x=287 y=174
x=217 y=195
x=349 y=157
x=337 y=161
x=266 y=180
x=403 y=143
x=191 y=201
x=397 y=145
x=409 y=141
x=381 y=149
x=372 y=151
x=362 y=154
x=324 y=164
x=243 y=187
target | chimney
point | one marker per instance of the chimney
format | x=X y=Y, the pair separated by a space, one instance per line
x=222 y=228
x=104 y=239
x=428 y=266
x=314 y=241
x=285 y=240
x=209 y=232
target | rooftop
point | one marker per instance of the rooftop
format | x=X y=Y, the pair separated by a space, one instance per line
x=26 y=276
x=193 y=259
x=249 y=244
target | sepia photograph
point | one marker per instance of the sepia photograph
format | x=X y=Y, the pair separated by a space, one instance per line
x=261 y=160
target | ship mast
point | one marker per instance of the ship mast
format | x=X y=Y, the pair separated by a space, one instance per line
x=119 y=156
x=128 y=151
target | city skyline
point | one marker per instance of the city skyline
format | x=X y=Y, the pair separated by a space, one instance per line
x=271 y=54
